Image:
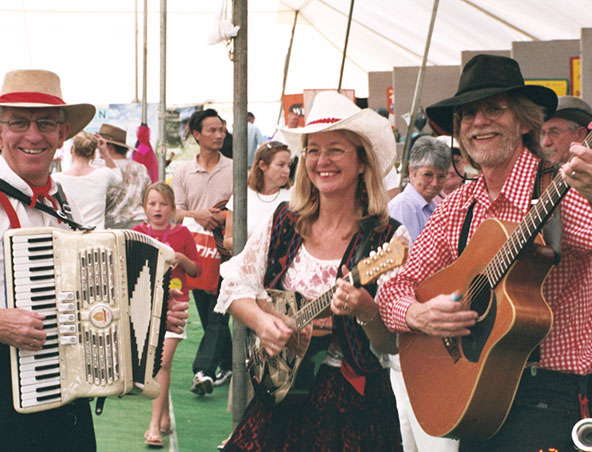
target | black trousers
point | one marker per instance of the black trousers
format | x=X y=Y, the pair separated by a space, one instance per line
x=65 y=429
x=542 y=417
x=215 y=348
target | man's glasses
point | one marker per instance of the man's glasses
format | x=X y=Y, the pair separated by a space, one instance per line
x=491 y=112
x=22 y=125
x=313 y=153
x=554 y=132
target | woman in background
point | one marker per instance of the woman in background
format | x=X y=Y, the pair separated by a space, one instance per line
x=86 y=184
x=268 y=186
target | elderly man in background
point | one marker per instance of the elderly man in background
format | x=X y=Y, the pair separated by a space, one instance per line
x=568 y=125
x=124 y=207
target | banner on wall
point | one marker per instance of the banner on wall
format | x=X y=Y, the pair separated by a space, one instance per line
x=293 y=103
x=575 y=76
x=560 y=86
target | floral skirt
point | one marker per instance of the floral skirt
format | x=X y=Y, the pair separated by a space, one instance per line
x=333 y=417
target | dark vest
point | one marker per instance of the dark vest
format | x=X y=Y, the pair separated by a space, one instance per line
x=283 y=246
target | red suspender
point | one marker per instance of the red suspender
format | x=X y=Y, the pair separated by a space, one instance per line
x=12 y=217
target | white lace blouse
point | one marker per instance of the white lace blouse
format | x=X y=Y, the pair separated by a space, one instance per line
x=243 y=274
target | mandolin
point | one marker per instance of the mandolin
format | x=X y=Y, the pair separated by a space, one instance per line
x=273 y=377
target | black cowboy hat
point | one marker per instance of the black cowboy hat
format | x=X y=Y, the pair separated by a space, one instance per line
x=485 y=76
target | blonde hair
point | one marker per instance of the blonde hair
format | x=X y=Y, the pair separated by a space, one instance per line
x=85 y=145
x=165 y=190
x=371 y=197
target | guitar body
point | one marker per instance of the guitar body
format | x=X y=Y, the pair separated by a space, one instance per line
x=464 y=387
x=272 y=377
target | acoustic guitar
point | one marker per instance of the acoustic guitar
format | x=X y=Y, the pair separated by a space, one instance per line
x=463 y=387
x=272 y=377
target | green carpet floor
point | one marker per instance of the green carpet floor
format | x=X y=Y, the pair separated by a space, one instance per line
x=201 y=422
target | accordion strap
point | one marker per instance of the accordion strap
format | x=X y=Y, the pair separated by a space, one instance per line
x=65 y=213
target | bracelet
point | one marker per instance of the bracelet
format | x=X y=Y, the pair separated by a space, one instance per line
x=359 y=322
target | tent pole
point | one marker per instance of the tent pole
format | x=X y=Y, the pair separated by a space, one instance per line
x=162 y=142
x=135 y=101
x=287 y=65
x=145 y=63
x=416 y=97
x=239 y=163
x=349 y=20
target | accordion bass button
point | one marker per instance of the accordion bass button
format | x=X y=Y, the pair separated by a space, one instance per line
x=64 y=307
x=68 y=340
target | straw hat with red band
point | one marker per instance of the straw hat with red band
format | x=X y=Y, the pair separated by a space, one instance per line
x=332 y=111
x=32 y=88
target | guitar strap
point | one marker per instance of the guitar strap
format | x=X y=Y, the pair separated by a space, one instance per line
x=546 y=171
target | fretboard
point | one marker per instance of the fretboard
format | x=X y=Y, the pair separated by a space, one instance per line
x=529 y=227
x=314 y=307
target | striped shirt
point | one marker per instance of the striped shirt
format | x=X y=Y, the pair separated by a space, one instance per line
x=567 y=289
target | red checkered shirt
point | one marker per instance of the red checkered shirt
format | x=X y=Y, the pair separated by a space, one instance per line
x=567 y=289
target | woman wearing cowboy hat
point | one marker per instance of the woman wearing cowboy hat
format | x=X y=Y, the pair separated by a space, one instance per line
x=336 y=213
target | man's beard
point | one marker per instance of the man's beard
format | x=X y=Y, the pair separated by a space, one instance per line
x=492 y=154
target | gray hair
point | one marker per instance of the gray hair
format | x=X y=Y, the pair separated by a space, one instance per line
x=429 y=151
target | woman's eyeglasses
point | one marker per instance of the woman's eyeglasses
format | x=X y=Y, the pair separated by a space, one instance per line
x=314 y=153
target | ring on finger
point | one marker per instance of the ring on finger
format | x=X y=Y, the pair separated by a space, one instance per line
x=572 y=174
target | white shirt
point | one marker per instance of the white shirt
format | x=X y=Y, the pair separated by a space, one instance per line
x=90 y=192
x=27 y=217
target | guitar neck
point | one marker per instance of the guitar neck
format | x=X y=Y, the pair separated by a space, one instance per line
x=312 y=309
x=530 y=226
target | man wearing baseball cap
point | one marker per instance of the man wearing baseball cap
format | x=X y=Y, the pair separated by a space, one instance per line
x=497 y=120
x=569 y=124
x=34 y=123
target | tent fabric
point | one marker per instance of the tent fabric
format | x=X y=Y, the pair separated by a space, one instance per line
x=91 y=45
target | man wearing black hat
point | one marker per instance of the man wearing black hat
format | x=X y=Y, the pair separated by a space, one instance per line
x=569 y=124
x=497 y=121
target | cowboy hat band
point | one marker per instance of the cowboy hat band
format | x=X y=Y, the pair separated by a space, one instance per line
x=486 y=76
x=32 y=88
x=332 y=111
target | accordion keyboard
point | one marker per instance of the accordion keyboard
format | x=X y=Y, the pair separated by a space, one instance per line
x=102 y=294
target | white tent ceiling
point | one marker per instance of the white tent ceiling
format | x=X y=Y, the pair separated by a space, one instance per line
x=92 y=44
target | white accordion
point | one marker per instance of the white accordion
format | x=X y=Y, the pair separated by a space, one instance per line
x=104 y=297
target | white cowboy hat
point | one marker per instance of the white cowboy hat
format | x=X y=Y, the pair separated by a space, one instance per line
x=32 y=88
x=332 y=111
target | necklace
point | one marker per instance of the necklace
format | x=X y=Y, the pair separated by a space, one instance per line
x=277 y=193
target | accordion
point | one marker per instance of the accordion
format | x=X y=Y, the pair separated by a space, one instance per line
x=104 y=296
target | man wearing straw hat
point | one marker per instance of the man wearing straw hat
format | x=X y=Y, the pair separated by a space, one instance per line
x=34 y=123
x=497 y=121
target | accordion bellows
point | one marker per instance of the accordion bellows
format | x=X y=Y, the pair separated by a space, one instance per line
x=104 y=295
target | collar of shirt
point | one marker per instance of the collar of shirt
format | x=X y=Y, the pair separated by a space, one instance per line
x=17 y=182
x=513 y=190
x=197 y=168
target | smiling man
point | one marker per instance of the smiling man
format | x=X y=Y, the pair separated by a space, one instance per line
x=34 y=122
x=497 y=120
x=569 y=124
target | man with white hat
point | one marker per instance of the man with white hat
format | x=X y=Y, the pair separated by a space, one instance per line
x=497 y=121
x=569 y=124
x=34 y=122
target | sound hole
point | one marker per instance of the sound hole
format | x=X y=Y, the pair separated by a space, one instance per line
x=480 y=296
x=482 y=300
